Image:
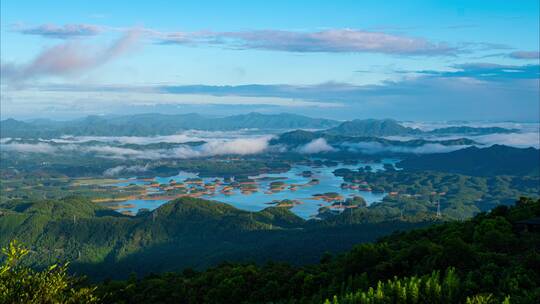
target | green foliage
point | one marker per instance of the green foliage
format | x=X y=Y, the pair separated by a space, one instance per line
x=425 y=289
x=402 y=268
x=414 y=290
x=21 y=284
x=485 y=299
x=184 y=232
x=414 y=194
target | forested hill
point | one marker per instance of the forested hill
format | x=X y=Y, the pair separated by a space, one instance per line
x=488 y=259
x=494 y=160
x=186 y=232
x=491 y=258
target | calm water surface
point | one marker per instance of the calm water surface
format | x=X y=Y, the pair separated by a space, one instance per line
x=256 y=201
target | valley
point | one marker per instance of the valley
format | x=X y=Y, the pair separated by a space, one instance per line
x=269 y=152
x=197 y=199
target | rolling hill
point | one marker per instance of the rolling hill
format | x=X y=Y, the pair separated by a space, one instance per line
x=186 y=232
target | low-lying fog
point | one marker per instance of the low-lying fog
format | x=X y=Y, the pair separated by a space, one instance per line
x=195 y=144
x=528 y=135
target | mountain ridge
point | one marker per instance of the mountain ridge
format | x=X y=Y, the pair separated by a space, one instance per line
x=152 y=124
x=493 y=160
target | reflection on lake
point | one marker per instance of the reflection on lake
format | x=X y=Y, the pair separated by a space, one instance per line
x=300 y=184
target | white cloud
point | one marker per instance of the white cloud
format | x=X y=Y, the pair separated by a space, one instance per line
x=527 y=136
x=521 y=140
x=70 y=57
x=214 y=147
x=316 y=146
x=183 y=137
x=139 y=140
x=29 y=148
x=241 y=146
x=330 y=41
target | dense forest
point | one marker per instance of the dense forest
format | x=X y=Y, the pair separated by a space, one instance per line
x=186 y=232
x=491 y=258
x=458 y=196
x=476 y=161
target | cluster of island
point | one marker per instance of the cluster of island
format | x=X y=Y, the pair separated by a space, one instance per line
x=317 y=187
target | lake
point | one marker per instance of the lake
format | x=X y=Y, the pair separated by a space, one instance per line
x=302 y=191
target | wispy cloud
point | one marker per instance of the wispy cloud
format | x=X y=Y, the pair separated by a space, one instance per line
x=525 y=55
x=327 y=41
x=521 y=140
x=68 y=58
x=215 y=147
x=180 y=138
x=527 y=134
x=61 y=32
x=29 y=148
x=475 y=91
x=336 y=40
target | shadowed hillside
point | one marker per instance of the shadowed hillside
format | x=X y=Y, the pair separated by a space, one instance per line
x=494 y=160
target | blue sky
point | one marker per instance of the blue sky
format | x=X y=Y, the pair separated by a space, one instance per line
x=410 y=60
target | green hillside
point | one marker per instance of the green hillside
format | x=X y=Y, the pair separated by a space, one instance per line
x=492 y=258
x=184 y=232
x=487 y=259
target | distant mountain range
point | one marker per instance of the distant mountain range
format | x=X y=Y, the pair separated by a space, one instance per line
x=157 y=124
x=162 y=124
x=495 y=160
